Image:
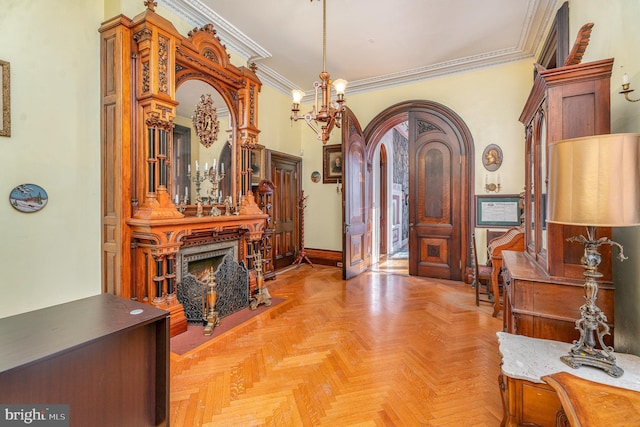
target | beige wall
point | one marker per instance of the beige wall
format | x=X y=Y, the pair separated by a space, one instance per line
x=53 y=255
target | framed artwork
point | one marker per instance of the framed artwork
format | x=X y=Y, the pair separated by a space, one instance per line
x=5 y=100
x=492 y=157
x=498 y=211
x=332 y=164
x=257 y=164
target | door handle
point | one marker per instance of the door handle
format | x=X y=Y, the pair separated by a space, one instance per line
x=410 y=224
x=346 y=227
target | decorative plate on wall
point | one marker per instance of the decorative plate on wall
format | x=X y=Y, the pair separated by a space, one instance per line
x=28 y=198
x=315 y=176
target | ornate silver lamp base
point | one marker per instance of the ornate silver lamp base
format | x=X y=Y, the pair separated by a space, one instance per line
x=592 y=320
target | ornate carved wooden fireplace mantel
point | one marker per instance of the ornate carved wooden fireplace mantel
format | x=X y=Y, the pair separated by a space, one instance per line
x=144 y=221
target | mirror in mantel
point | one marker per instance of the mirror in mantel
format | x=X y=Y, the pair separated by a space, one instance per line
x=192 y=154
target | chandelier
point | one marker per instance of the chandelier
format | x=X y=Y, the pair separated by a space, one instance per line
x=322 y=119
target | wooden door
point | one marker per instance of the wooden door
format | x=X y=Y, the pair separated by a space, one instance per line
x=355 y=243
x=384 y=194
x=285 y=170
x=435 y=189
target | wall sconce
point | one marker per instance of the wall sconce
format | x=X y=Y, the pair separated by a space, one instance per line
x=626 y=90
x=491 y=187
x=339 y=188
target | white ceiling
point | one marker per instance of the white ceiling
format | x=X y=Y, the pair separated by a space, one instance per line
x=372 y=43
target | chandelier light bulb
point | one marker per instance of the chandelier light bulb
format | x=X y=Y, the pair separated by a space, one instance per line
x=340 y=86
x=297 y=95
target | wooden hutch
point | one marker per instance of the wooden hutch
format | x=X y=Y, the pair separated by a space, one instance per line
x=145 y=223
x=545 y=284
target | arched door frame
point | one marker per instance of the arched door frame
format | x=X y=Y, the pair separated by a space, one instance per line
x=398 y=113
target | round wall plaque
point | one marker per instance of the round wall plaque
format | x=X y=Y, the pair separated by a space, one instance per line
x=315 y=176
x=492 y=157
x=28 y=198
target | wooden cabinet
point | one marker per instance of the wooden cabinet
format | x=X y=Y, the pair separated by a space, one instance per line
x=105 y=356
x=565 y=102
x=537 y=305
x=545 y=282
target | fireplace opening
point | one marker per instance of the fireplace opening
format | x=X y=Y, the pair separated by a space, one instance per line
x=197 y=265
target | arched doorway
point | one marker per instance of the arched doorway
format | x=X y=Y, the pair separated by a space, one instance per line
x=440 y=183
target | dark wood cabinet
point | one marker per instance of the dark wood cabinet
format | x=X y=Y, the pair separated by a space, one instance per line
x=544 y=284
x=105 y=356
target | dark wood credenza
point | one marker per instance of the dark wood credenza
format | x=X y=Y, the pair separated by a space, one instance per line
x=539 y=305
x=105 y=356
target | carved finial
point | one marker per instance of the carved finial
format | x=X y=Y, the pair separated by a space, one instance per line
x=151 y=5
x=253 y=67
x=580 y=45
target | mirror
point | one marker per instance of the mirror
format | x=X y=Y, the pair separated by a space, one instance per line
x=192 y=156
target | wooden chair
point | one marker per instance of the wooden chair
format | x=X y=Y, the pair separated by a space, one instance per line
x=511 y=240
x=481 y=276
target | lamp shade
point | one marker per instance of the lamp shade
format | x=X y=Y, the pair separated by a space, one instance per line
x=595 y=181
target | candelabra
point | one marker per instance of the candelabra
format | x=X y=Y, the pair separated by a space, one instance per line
x=214 y=176
x=197 y=179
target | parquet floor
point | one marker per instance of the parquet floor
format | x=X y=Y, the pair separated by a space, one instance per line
x=378 y=350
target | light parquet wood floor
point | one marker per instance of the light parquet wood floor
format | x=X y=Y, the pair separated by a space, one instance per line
x=378 y=350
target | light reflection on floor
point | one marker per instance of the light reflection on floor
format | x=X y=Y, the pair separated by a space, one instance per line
x=392 y=266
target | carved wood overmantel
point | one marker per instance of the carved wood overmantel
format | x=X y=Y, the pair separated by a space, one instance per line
x=143 y=62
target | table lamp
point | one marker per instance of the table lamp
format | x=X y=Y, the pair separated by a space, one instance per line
x=594 y=182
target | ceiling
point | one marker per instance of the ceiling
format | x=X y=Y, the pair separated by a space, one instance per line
x=371 y=44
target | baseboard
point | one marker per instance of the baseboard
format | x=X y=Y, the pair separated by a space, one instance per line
x=324 y=257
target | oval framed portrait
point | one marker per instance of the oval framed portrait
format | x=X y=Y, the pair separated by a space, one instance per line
x=315 y=176
x=28 y=198
x=492 y=157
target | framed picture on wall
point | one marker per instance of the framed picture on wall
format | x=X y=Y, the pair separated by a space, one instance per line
x=332 y=164
x=5 y=101
x=498 y=211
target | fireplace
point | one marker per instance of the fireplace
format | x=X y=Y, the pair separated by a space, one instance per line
x=195 y=266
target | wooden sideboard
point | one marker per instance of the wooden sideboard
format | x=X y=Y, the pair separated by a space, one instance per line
x=527 y=399
x=105 y=356
x=542 y=306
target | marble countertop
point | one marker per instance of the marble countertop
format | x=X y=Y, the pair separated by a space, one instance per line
x=532 y=358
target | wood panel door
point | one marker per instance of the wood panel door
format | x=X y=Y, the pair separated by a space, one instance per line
x=435 y=181
x=285 y=170
x=356 y=252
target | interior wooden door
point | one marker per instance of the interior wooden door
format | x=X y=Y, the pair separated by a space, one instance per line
x=285 y=170
x=435 y=188
x=355 y=244
x=384 y=194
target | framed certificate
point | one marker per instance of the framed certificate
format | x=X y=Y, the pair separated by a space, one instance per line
x=498 y=211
